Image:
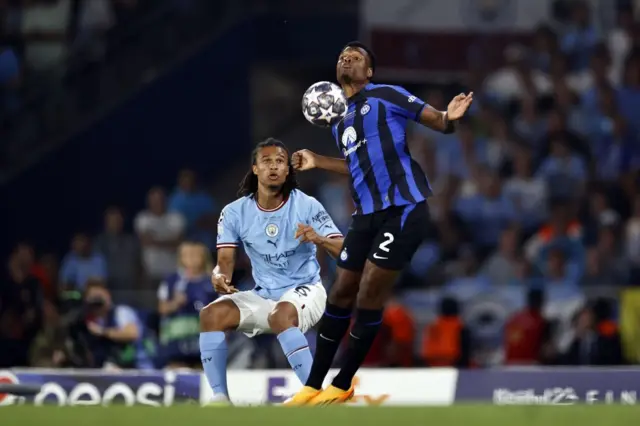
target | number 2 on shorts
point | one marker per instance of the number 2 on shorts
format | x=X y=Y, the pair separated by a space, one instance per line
x=389 y=239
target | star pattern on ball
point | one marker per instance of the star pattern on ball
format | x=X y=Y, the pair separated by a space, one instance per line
x=326 y=115
x=312 y=97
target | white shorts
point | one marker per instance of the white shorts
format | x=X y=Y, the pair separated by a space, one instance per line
x=254 y=310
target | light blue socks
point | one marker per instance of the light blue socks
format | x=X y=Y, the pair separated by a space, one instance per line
x=296 y=349
x=213 y=353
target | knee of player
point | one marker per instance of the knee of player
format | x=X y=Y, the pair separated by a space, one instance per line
x=343 y=294
x=283 y=317
x=372 y=295
x=216 y=317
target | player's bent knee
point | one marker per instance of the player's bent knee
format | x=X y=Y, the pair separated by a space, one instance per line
x=283 y=317
x=220 y=316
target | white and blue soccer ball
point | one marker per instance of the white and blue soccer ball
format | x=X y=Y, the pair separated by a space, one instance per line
x=324 y=104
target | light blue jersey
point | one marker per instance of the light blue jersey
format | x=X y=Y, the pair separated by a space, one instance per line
x=279 y=261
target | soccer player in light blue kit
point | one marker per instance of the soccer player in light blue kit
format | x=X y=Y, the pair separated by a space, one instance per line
x=280 y=228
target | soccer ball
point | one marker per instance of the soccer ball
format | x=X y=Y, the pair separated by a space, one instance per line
x=324 y=104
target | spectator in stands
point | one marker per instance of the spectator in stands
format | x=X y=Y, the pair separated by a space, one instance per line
x=615 y=264
x=632 y=240
x=446 y=341
x=196 y=206
x=488 y=213
x=401 y=332
x=597 y=340
x=123 y=255
x=21 y=312
x=518 y=79
x=529 y=125
x=581 y=36
x=180 y=298
x=558 y=283
x=545 y=44
x=25 y=254
x=527 y=193
x=160 y=233
x=562 y=229
x=81 y=264
x=114 y=333
x=501 y=267
x=629 y=95
x=527 y=334
x=565 y=173
x=600 y=214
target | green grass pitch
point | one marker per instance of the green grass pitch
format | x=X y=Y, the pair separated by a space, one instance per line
x=463 y=415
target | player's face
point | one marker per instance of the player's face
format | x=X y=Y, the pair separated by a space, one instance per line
x=272 y=166
x=353 y=66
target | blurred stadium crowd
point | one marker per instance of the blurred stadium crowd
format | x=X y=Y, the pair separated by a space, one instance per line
x=535 y=222
x=53 y=55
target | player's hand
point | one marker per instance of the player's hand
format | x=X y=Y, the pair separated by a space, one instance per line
x=459 y=106
x=95 y=329
x=222 y=284
x=307 y=234
x=303 y=160
x=180 y=299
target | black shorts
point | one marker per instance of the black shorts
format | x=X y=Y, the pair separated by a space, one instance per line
x=388 y=238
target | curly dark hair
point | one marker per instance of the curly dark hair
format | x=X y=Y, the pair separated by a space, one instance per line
x=249 y=184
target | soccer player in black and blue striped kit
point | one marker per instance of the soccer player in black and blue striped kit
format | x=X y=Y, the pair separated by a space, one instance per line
x=390 y=191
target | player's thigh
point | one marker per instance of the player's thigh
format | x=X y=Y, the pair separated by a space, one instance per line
x=309 y=300
x=399 y=236
x=357 y=244
x=254 y=311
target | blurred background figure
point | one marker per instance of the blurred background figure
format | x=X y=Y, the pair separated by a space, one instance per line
x=180 y=298
x=81 y=264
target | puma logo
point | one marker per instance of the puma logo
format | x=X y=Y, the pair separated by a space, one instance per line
x=272 y=242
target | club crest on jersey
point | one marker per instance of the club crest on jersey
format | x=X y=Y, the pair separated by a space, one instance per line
x=349 y=136
x=365 y=109
x=271 y=230
x=343 y=255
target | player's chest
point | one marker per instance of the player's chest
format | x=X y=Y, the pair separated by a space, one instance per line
x=360 y=127
x=266 y=232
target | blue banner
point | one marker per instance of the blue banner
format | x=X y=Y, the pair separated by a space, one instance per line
x=549 y=386
x=103 y=388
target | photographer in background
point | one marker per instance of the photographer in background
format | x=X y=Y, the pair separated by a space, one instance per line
x=102 y=334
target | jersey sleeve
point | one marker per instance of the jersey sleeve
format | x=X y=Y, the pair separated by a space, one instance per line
x=228 y=236
x=402 y=102
x=125 y=315
x=163 y=291
x=320 y=220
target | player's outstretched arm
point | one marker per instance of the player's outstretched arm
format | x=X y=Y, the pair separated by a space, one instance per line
x=443 y=120
x=223 y=272
x=307 y=160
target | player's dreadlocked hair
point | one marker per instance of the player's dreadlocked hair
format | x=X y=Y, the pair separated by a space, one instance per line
x=249 y=184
